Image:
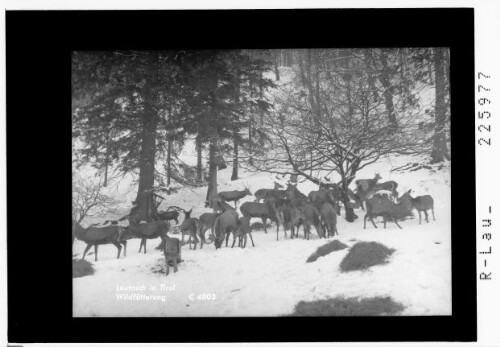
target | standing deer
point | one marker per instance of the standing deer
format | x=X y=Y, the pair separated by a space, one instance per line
x=294 y=193
x=234 y=195
x=146 y=231
x=385 y=208
x=366 y=184
x=169 y=215
x=423 y=203
x=224 y=224
x=391 y=186
x=261 y=194
x=222 y=206
x=282 y=208
x=93 y=236
x=259 y=210
x=190 y=226
x=311 y=213
x=172 y=252
x=298 y=217
x=207 y=221
x=242 y=231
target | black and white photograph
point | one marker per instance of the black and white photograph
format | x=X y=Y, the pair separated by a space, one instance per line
x=249 y=174
x=261 y=182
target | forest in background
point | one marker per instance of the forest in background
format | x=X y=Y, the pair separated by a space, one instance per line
x=295 y=111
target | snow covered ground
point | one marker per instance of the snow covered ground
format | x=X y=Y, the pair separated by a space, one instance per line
x=273 y=277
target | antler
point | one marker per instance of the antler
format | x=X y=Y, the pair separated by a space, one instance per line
x=176 y=207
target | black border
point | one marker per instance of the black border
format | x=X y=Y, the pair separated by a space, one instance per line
x=38 y=51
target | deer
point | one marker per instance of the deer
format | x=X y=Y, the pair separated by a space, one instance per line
x=224 y=224
x=207 y=221
x=391 y=186
x=261 y=194
x=172 y=253
x=294 y=193
x=311 y=213
x=282 y=208
x=146 y=231
x=277 y=186
x=93 y=236
x=328 y=216
x=242 y=231
x=234 y=195
x=259 y=210
x=222 y=206
x=382 y=194
x=367 y=193
x=265 y=193
x=319 y=195
x=190 y=226
x=313 y=218
x=385 y=208
x=366 y=184
x=298 y=217
x=169 y=215
x=423 y=203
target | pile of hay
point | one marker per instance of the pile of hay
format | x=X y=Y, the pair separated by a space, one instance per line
x=364 y=255
x=340 y=306
x=82 y=268
x=326 y=249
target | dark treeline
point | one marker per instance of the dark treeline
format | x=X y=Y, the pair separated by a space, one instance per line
x=340 y=110
x=132 y=108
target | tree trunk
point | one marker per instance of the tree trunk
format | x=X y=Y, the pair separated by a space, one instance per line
x=440 y=148
x=144 y=200
x=236 y=129
x=169 y=147
x=261 y=96
x=350 y=216
x=212 y=174
x=106 y=161
x=199 y=168
x=234 y=175
x=371 y=80
x=385 y=79
x=214 y=141
x=250 y=128
x=276 y=69
x=145 y=206
x=169 y=161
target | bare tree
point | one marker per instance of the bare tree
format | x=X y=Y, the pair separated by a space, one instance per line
x=342 y=128
x=90 y=200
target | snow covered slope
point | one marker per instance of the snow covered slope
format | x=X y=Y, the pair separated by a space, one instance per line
x=271 y=278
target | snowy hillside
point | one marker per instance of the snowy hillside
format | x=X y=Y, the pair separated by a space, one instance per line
x=272 y=277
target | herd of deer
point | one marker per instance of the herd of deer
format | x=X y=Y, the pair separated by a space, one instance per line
x=287 y=207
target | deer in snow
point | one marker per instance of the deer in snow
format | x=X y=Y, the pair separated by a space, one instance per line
x=423 y=203
x=259 y=210
x=145 y=231
x=223 y=226
x=234 y=195
x=93 y=236
x=191 y=227
x=172 y=253
x=242 y=231
x=365 y=185
x=388 y=209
